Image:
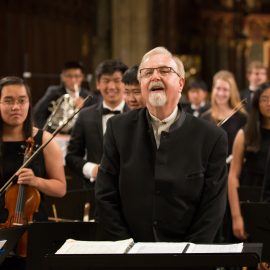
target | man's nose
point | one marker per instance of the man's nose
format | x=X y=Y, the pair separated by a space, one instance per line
x=156 y=74
x=131 y=96
x=111 y=85
x=74 y=79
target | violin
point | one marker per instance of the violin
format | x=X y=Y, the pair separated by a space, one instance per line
x=22 y=201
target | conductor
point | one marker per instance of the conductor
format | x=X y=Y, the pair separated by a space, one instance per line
x=161 y=177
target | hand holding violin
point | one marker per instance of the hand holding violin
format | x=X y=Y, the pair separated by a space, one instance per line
x=26 y=176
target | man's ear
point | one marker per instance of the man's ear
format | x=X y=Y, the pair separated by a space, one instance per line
x=97 y=85
x=61 y=77
x=181 y=84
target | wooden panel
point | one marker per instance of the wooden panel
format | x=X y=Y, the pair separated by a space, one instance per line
x=39 y=36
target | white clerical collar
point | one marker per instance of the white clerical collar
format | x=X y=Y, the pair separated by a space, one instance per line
x=120 y=107
x=168 y=120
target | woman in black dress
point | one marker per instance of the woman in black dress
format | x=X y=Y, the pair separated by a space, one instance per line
x=250 y=151
x=224 y=98
x=44 y=175
x=46 y=172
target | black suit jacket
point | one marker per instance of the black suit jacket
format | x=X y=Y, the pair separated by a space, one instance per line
x=246 y=94
x=175 y=193
x=86 y=139
x=41 y=109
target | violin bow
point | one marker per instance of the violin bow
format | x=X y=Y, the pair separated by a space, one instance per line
x=238 y=107
x=27 y=162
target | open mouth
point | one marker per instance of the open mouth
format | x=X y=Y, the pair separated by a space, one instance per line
x=157 y=88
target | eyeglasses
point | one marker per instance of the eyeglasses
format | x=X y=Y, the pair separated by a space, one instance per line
x=264 y=100
x=162 y=71
x=11 y=101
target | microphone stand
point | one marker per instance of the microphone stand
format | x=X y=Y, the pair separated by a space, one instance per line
x=27 y=162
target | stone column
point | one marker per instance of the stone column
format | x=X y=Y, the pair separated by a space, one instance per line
x=131 y=21
x=102 y=40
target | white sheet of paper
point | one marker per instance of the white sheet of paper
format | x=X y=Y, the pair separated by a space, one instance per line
x=95 y=247
x=157 y=247
x=2 y=242
x=224 y=248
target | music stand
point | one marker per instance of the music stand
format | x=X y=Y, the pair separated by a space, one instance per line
x=71 y=206
x=250 y=257
x=12 y=236
x=257 y=224
x=43 y=237
x=249 y=193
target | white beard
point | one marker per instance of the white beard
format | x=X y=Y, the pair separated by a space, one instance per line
x=157 y=99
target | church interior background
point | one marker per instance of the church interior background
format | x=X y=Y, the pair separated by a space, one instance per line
x=37 y=37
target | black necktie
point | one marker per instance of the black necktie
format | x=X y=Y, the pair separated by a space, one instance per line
x=108 y=111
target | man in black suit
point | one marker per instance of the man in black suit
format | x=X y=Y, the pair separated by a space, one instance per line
x=87 y=133
x=133 y=95
x=72 y=77
x=256 y=75
x=197 y=95
x=163 y=172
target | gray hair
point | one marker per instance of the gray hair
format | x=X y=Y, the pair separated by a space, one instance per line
x=180 y=66
x=163 y=50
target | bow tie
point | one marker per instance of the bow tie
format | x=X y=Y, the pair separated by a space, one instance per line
x=108 y=111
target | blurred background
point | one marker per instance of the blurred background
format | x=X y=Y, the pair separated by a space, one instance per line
x=38 y=37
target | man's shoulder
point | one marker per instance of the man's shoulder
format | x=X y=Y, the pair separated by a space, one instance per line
x=129 y=119
x=130 y=115
x=244 y=93
x=90 y=109
x=88 y=115
x=245 y=90
x=52 y=93
x=55 y=88
x=204 y=126
x=55 y=91
x=206 y=114
x=85 y=92
x=205 y=133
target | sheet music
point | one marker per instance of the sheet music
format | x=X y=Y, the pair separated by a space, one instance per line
x=158 y=247
x=222 y=248
x=2 y=242
x=72 y=246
